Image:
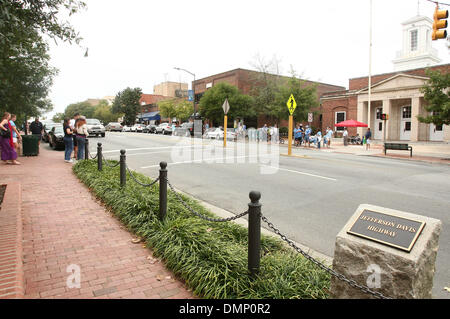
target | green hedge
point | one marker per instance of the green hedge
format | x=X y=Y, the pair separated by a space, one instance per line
x=210 y=257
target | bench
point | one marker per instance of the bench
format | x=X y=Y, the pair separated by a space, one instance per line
x=397 y=146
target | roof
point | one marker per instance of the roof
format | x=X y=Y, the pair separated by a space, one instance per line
x=152 y=98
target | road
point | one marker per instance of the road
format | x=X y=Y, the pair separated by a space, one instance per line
x=309 y=197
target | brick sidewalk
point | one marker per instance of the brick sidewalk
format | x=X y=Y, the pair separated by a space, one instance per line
x=63 y=225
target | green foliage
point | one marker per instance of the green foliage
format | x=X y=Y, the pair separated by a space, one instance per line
x=210 y=257
x=437 y=95
x=127 y=103
x=25 y=73
x=58 y=117
x=103 y=112
x=210 y=105
x=82 y=108
x=179 y=108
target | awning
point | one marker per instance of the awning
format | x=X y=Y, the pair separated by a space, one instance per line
x=152 y=116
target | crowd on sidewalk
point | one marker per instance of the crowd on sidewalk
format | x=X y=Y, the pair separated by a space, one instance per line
x=9 y=139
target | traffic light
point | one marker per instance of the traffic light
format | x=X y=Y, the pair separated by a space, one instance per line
x=439 y=23
x=385 y=116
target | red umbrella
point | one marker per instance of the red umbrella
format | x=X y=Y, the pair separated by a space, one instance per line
x=351 y=123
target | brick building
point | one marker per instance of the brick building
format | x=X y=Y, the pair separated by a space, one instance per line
x=396 y=94
x=245 y=80
x=149 y=112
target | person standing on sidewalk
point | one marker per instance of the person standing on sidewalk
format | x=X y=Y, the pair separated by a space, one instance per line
x=367 y=137
x=73 y=123
x=308 y=132
x=16 y=135
x=319 y=138
x=81 y=133
x=9 y=154
x=37 y=129
x=68 y=141
x=345 y=136
x=327 y=137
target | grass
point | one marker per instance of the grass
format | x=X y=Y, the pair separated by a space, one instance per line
x=210 y=257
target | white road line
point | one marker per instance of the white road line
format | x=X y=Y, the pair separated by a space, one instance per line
x=204 y=160
x=149 y=148
x=302 y=173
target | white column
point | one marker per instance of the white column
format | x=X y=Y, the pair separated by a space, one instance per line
x=415 y=110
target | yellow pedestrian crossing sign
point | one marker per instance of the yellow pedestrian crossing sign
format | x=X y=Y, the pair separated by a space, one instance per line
x=291 y=104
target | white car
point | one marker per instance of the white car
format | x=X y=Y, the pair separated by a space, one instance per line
x=217 y=133
x=164 y=128
x=126 y=128
x=137 y=128
x=95 y=127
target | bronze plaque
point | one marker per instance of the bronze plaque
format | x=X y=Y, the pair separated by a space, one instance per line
x=387 y=229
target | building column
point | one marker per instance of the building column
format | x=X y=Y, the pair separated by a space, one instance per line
x=415 y=111
x=387 y=111
x=361 y=116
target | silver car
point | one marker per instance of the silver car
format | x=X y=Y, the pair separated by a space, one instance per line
x=95 y=127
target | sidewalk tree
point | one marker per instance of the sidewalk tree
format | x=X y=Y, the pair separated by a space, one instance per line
x=58 y=117
x=103 y=112
x=25 y=73
x=436 y=94
x=210 y=105
x=127 y=103
x=176 y=107
x=168 y=108
x=82 y=108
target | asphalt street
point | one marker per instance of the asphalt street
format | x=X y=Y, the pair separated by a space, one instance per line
x=309 y=197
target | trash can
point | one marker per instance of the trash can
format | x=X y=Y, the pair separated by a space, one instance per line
x=30 y=145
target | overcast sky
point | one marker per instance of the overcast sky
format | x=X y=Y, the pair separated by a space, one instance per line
x=137 y=43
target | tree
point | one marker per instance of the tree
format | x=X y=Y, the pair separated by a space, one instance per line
x=25 y=73
x=82 y=108
x=167 y=108
x=211 y=103
x=127 y=102
x=58 y=117
x=103 y=112
x=179 y=108
x=305 y=95
x=436 y=93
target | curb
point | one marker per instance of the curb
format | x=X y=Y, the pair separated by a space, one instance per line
x=11 y=264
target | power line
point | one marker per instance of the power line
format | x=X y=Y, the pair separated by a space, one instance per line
x=439 y=3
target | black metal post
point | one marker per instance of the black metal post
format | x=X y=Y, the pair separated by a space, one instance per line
x=162 y=191
x=123 y=169
x=86 y=149
x=99 y=157
x=254 y=233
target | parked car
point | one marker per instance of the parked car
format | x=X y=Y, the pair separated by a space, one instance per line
x=95 y=127
x=151 y=128
x=126 y=128
x=114 y=126
x=137 y=128
x=164 y=128
x=47 y=128
x=218 y=133
x=185 y=129
x=56 y=137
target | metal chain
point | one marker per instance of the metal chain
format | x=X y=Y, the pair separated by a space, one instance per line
x=109 y=165
x=92 y=157
x=140 y=183
x=217 y=220
x=322 y=266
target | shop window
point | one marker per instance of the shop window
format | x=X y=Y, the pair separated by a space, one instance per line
x=339 y=117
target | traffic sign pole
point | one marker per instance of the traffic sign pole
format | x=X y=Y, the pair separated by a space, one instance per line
x=291 y=128
x=225 y=120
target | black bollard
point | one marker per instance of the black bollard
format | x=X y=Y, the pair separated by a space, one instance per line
x=123 y=169
x=254 y=233
x=99 y=157
x=86 y=149
x=162 y=191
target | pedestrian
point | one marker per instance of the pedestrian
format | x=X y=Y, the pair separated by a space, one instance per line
x=275 y=134
x=308 y=135
x=264 y=133
x=9 y=154
x=319 y=138
x=302 y=134
x=17 y=139
x=72 y=125
x=297 y=136
x=81 y=134
x=368 y=136
x=68 y=141
x=328 y=136
x=345 y=136
x=37 y=129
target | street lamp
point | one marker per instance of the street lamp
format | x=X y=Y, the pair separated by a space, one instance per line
x=193 y=88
